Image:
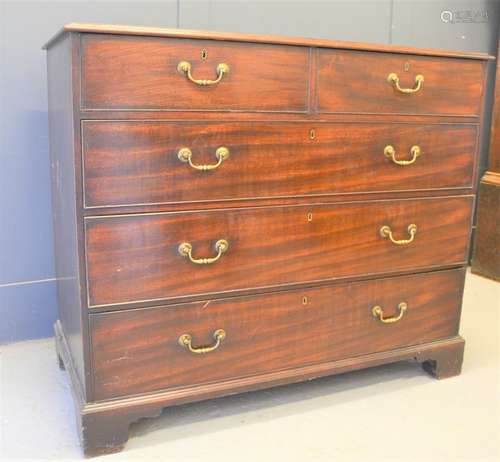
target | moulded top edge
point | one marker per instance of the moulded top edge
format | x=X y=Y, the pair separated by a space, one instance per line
x=271 y=39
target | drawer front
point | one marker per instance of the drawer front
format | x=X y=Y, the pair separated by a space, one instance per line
x=129 y=163
x=138 y=351
x=134 y=73
x=357 y=82
x=140 y=258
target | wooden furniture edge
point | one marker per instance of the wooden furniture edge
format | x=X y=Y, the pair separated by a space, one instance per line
x=484 y=274
x=269 y=290
x=484 y=260
x=297 y=200
x=486 y=250
x=420 y=353
x=492 y=178
x=105 y=424
x=66 y=362
x=270 y=39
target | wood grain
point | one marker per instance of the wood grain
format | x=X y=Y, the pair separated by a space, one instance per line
x=103 y=425
x=306 y=262
x=486 y=254
x=237 y=116
x=494 y=152
x=356 y=82
x=137 y=351
x=141 y=73
x=131 y=163
x=133 y=258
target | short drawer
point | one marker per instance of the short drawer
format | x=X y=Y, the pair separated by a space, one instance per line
x=141 y=162
x=136 y=73
x=139 y=351
x=156 y=256
x=358 y=82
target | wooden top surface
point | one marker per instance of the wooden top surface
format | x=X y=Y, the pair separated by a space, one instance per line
x=272 y=39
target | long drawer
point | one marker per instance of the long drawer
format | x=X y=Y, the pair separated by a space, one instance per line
x=141 y=162
x=156 y=256
x=360 y=82
x=144 y=73
x=139 y=351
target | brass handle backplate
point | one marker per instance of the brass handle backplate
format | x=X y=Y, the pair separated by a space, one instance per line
x=185 y=155
x=184 y=67
x=186 y=340
x=378 y=312
x=186 y=249
x=393 y=79
x=386 y=231
x=390 y=153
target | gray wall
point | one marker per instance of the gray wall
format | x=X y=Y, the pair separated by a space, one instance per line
x=28 y=304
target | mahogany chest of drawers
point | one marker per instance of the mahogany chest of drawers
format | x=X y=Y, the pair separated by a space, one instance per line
x=236 y=212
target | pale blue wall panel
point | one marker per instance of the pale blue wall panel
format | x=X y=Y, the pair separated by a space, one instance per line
x=27 y=311
x=367 y=20
x=26 y=236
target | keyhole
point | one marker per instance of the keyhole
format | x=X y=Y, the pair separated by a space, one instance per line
x=312 y=134
x=204 y=54
x=310 y=216
x=407 y=67
x=305 y=300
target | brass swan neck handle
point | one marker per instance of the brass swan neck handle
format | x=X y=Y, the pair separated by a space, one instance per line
x=185 y=249
x=393 y=79
x=386 y=232
x=390 y=153
x=186 y=155
x=378 y=313
x=186 y=341
x=184 y=67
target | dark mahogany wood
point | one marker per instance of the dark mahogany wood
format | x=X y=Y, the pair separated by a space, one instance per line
x=63 y=157
x=135 y=258
x=306 y=262
x=104 y=425
x=137 y=351
x=141 y=73
x=272 y=201
x=236 y=116
x=445 y=363
x=494 y=153
x=486 y=256
x=136 y=163
x=356 y=82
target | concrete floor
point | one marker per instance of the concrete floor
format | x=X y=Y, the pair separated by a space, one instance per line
x=391 y=413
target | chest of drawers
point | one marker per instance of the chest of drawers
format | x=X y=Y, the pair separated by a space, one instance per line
x=237 y=212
